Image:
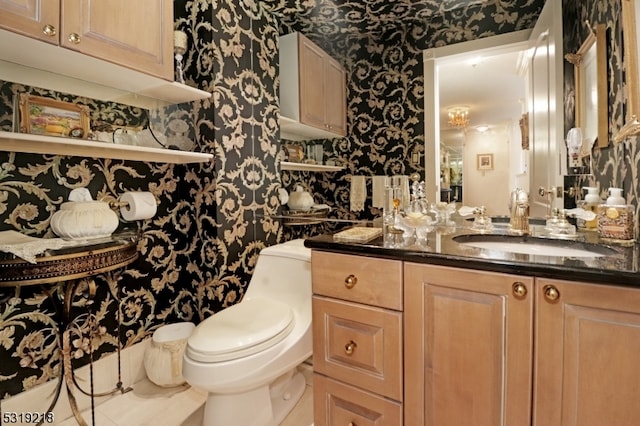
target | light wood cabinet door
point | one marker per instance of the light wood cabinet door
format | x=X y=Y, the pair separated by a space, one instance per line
x=336 y=95
x=587 y=355
x=136 y=34
x=33 y=18
x=312 y=90
x=468 y=347
x=338 y=404
x=322 y=82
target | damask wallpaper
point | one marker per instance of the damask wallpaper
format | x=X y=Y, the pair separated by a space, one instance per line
x=198 y=252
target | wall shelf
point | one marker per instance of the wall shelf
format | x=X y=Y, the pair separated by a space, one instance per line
x=288 y=165
x=36 y=144
x=63 y=70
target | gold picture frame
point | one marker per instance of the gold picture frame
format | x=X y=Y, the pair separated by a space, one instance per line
x=590 y=73
x=631 y=40
x=50 y=117
x=485 y=161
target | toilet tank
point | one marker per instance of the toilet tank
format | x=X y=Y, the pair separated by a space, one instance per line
x=283 y=272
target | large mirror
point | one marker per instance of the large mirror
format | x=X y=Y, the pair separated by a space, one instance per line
x=590 y=70
x=630 y=14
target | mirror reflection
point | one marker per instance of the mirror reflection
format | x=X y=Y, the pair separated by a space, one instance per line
x=491 y=85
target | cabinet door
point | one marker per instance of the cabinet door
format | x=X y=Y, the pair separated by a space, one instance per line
x=468 y=347
x=588 y=355
x=312 y=90
x=33 y=18
x=336 y=97
x=135 y=34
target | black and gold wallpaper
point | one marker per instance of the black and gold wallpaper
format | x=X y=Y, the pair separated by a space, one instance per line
x=197 y=254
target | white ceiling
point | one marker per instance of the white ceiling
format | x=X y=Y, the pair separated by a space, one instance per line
x=493 y=89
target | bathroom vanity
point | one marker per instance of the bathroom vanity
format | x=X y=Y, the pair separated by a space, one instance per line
x=445 y=333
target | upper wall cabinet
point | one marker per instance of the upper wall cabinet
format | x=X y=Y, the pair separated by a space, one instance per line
x=116 y=50
x=313 y=95
x=136 y=34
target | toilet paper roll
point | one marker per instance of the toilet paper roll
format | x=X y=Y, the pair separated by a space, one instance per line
x=140 y=205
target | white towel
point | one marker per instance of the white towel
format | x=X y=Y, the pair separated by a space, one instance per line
x=358 y=193
x=27 y=247
x=379 y=191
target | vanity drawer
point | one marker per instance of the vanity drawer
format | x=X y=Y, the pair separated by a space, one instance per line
x=359 y=345
x=336 y=403
x=361 y=279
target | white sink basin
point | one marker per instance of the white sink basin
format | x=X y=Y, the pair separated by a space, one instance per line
x=534 y=246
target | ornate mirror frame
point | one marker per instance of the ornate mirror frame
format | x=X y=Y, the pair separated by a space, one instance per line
x=630 y=12
x=590 y=70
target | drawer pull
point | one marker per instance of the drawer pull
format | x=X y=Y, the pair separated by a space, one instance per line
x=74 y=38
x=49 y=30
x=551 y=293
x=350 y=281
x=519 y=290
x=350 y=347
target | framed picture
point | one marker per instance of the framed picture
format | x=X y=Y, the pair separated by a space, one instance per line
x=485 y=161
x=49 y=117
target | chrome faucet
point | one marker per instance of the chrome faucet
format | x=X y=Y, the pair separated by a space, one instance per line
x=519 y=209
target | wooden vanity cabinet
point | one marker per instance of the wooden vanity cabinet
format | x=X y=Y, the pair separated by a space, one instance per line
x=468 y=347
x=135 y=34
x=485 y=348
x=587 y=361
x=357 y=340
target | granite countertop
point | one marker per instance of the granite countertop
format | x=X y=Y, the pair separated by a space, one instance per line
x=619 y=266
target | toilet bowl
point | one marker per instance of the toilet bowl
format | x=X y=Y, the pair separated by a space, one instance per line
x=246 y=356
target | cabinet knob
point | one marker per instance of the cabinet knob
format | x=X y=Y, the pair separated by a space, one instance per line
x=350 y=347
x=519 y=290
x=49 y=30
x=551 y=293
x=350 y=281
x=74 y=38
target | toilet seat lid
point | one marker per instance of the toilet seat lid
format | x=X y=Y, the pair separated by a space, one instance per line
x=241 y=330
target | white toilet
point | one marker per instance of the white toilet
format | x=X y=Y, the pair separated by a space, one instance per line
x=246 y=356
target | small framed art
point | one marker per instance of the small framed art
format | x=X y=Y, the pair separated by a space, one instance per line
x=485 y=161
x=50 y=117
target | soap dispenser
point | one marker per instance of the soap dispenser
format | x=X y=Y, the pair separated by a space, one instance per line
x=615 y=197
x=590 y=203
x=615 y=219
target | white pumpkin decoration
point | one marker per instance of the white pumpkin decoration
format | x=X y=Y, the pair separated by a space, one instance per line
x=79 y=220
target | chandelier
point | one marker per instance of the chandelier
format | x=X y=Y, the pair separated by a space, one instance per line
x=459 y=117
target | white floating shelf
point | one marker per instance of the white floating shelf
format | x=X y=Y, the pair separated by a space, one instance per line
x=64 y=70
x=36 y=144
x=288 y=165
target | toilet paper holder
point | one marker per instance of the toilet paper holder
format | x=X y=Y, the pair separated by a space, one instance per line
x=125 y=203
